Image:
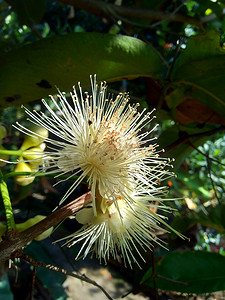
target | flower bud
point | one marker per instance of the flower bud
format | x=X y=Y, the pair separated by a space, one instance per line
x=33 y=141
x=32 y=221
x=24 y=179
x=85 y=215
x=34 y=154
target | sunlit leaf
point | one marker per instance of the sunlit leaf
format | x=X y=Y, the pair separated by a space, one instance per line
x=33 y=71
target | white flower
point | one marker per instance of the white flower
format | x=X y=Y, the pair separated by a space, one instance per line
x=100 y=140
x=106 y=142
x=112 y=233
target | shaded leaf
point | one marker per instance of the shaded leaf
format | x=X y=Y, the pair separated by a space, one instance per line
x=33 y=71
x=29 y=12
x=200 y=68
x=194 y=183
x=185 y=109
x=189 y=272
x=214 y=218
x=173 y=140
x=200 y=47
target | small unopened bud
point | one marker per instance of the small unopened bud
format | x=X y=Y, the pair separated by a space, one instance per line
x=33 y=141
x=24 y=180
x=34 y=154
x=85 y=215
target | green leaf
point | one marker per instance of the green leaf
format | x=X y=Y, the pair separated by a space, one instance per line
x=29 y=12
x=214 y=218
x=33 y=71
x=171 y=140
x=189 y=272
x=194 y=183
x=200 y=47
x=201 y=67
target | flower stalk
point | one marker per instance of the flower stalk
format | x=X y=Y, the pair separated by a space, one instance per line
x=7 y=204
x=12 y=152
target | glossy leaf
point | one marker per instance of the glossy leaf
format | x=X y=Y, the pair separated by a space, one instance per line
x=200 y=68
x=33 y=71
x=189 y=272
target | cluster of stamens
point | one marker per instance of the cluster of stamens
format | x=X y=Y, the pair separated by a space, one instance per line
x=106 y=143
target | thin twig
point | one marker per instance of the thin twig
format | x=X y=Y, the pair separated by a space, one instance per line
x=210 y=177
x=115 y=18
x=170 y=15
x=186 y=138
x=103 y=9
x=33 y=281
x=174 y=59
x=63 y=271
x=35 y=32
x=204 y=154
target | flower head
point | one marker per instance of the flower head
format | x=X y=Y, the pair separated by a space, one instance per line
x=100 y=140
x=107 y=142
x=117 y=233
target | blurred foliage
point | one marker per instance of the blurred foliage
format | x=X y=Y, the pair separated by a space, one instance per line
x=174 y=61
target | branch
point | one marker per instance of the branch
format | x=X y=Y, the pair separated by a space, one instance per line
x=185 y=138
x=104 y=10
x=15 y=241
x=83 y=277
x=205 y=155
x=211 y=179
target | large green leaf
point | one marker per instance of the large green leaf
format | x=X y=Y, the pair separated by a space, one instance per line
x=201 y=67
x=33 y=71
x=200 y=47
x=189 y=272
